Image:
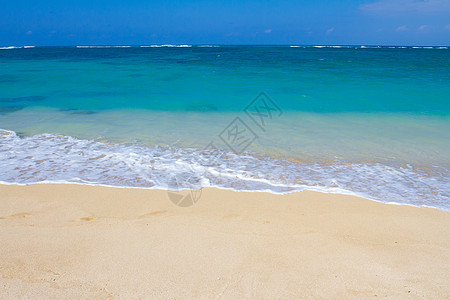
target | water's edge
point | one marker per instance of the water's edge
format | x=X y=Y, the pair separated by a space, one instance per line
x=219 y=188
x=49 y=158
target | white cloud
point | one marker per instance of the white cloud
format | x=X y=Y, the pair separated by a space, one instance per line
x=268 y=31
x=406 y=6
x=402 y=28
x=29 y=32
x=423 y=27
x=329 y=31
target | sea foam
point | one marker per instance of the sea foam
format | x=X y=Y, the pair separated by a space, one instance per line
x=56 y=158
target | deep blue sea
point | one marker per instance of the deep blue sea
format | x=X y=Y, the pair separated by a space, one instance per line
x=369 y=121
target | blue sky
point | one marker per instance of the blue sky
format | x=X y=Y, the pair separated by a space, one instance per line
x=101 y=22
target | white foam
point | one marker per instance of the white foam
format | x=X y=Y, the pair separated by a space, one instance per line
x=9 y=47
x=171 y=46
x=63 y=159
x=104 y=46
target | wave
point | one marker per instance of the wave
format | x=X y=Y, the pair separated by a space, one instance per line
x=103 y=46
x=56 y=158
x=377 y=47
x=15 y=47
x=168 y=46
x=425 y=47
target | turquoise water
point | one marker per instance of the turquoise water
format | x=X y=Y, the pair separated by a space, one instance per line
x=368 y=121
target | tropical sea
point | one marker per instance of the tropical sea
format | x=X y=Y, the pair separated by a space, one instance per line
x=368 y=121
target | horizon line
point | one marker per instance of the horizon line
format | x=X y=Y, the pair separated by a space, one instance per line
x=180 y=45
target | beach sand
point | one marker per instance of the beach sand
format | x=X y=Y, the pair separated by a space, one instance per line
x=61 y=240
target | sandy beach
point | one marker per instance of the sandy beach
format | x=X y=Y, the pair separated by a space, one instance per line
x=60 y=241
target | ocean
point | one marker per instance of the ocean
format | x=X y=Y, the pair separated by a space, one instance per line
x=367 y=121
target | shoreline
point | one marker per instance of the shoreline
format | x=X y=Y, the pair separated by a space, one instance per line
x=335 y=192
x=73 y=159
x=79 y=240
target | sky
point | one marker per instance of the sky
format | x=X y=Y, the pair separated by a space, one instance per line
x=260 y=22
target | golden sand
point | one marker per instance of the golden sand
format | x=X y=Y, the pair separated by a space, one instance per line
x=74 y=241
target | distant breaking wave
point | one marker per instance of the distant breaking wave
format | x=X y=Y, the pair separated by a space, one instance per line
x=57 y=158
x=103 y=46
x=169 y=46
x=16 y=47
